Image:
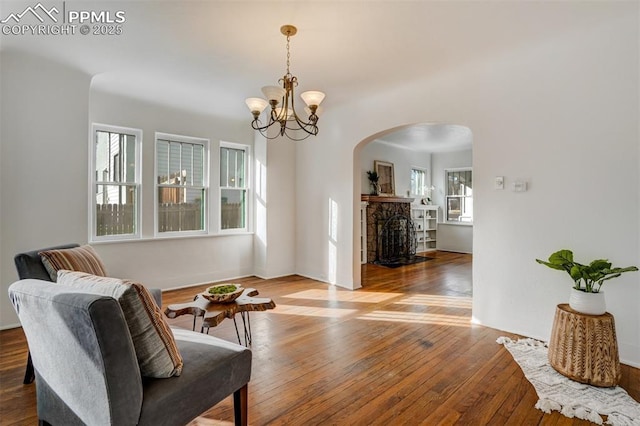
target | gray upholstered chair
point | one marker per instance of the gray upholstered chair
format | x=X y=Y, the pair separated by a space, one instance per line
x=29 y=265
x=87 y=372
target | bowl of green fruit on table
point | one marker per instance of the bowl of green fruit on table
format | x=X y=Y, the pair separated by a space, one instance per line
x=223 y=293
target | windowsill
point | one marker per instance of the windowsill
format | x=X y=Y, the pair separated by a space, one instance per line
x=456 y=223
x=171 y=238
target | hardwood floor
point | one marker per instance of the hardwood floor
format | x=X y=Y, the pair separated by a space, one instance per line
x=401 y=350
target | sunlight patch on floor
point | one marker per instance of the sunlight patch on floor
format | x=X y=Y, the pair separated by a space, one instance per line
x=312 y=311
x=343 y=296
x=433 y=300
x=417 y=318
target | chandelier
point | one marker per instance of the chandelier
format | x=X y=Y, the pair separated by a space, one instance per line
x=282 y=104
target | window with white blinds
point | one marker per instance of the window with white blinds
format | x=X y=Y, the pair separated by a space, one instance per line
x=181 y=184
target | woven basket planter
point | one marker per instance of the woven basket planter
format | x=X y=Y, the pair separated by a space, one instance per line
x=584 y=348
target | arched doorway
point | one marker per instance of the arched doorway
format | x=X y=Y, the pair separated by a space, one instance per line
x=423 y=157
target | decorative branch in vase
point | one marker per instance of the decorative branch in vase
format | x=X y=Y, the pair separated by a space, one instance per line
x=373 y=181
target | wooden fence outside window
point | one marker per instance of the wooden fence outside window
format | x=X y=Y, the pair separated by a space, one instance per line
x=119 y=219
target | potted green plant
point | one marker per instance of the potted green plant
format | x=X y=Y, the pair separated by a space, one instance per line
x=586 y=295
x=373 y=181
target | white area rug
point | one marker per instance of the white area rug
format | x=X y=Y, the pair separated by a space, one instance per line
x=572 y=399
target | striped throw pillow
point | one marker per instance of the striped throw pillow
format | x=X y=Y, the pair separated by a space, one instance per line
x=83 y=259
x=156 y=349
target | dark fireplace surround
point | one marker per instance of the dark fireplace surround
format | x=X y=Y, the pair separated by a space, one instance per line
x=390 y=232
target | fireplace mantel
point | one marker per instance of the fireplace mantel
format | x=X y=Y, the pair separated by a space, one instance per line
x=379 y=199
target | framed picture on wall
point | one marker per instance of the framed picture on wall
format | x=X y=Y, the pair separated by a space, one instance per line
x=386 y=179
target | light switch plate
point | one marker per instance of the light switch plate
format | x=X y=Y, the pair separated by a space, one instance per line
x=519 y=186
x=499 y=182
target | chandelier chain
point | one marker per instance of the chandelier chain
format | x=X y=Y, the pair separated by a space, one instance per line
x=288 y=55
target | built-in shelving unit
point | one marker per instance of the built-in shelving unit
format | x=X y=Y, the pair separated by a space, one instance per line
x=425 y=220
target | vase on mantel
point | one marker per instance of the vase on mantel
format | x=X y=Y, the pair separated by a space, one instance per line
x=375 y=189
x=587 y=303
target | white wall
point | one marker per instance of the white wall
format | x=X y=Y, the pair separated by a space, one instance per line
x=455 y=237
x=281 y=184
x=561 y=114
x=43 y=160
x=275 y=253
x=260 y=241
x=325 y=172
x=403 y=160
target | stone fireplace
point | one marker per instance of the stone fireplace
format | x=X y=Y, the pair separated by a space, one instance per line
x=396 y=240
x=390 y=233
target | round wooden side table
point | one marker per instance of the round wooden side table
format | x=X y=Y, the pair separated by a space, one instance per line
x=584 y=347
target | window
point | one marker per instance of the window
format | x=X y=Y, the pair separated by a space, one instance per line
x=233 y=186
x=115 y=183
x=181 y=184
x=459 y=195
x=418 y=181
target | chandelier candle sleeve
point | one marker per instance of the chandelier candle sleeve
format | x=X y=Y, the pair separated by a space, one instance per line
x=284 y=113
x=312 y=98
x=282 y=102
x=273 y=93
x=256 y=105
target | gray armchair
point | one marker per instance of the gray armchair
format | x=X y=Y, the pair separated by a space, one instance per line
x=29 y=265
x=87 y=372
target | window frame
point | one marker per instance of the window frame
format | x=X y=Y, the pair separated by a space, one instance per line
x=205 y=181
x=447 y=196
x=247 y=187
x=93 y=182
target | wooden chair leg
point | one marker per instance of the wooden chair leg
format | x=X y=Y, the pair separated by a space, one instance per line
x=29 y=374
x=240 y=406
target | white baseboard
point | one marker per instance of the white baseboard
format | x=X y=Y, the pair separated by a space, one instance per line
x=205 y=282
x=10 y=326
x=274 y=277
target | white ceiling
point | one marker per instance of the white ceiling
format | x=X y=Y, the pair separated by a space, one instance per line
x=430 y=138
x=208 y=56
